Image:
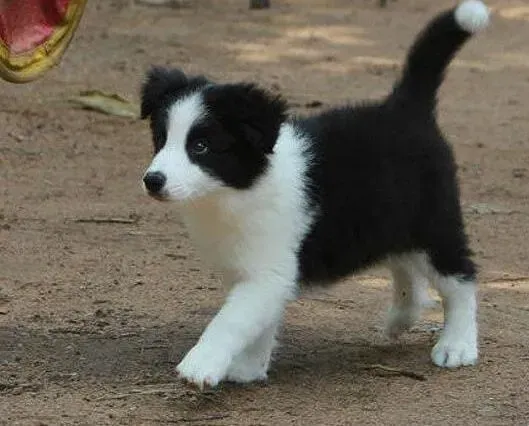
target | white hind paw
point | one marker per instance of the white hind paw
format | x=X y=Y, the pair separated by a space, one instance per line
x=452 y=353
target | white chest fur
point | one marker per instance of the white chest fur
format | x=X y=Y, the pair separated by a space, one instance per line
x=258 y=230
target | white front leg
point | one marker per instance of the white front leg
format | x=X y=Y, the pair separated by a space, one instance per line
x=250 y=310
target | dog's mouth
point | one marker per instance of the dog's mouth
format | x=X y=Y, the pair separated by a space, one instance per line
x=159 y=196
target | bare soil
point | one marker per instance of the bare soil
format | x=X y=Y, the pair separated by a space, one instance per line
x=94 y=316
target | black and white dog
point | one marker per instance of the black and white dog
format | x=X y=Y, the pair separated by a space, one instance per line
x=278 y=202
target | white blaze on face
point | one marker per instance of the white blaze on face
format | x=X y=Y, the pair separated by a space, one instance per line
x=184 y=179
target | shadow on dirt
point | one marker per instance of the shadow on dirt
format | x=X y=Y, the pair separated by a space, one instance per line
x=149 y=356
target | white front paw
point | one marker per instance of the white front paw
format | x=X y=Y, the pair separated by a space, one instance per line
x=204 y=366
x=451 y=352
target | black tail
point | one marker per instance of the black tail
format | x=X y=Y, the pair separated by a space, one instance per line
x=434 y=49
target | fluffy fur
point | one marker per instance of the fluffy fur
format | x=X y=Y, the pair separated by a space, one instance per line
x=278 y=203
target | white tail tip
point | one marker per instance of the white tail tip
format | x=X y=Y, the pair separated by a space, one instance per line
x=472 y=15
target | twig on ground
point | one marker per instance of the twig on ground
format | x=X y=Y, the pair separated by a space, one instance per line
x=259 y=4
x=508 y=279
x=124 y=220
x=176 y=4
x=65 y=330
x=155 y=389
x=18 y=388
x=134 y=392
x=186 y=419
x=204 y=418
x=339 y=303
x=397 y=371
x=154 y=347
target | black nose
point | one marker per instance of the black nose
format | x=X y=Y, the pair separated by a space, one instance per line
x=154 y=181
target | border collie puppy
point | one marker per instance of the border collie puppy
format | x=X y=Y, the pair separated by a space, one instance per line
x=277 y=202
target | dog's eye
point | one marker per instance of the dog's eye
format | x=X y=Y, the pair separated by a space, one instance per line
x=199 y=146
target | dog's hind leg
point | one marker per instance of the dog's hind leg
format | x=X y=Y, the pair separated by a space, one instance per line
x=457 y=345
x=452 y=274
x=410 y=292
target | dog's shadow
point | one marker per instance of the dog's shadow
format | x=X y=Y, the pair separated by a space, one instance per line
x=319 y=356
x=148 y=356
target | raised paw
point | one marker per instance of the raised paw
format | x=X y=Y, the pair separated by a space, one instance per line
x=203 y=366
x=452 y=353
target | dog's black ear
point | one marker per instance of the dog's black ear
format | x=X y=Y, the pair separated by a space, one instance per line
x=252 y=112
x=157 y=83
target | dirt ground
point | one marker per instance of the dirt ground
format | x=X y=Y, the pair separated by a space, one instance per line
x=94 y=316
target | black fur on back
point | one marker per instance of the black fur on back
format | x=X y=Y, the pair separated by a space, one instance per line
x=388 y=187
x=383 y=179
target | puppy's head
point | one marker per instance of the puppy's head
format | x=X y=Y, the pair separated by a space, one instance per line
x=206 y=136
